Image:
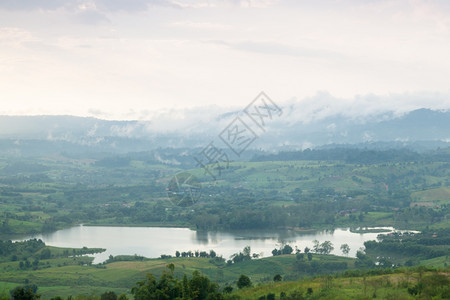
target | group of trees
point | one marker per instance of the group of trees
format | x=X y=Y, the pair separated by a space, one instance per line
x=324 y=248
x=197 y=253
x=169 y=287
x=22 y=249
x=196 y=287
x=319 y=248
x=237 y=257
x=24 y=265
x=286 y=249
x=28 y=292
x=243 y=255
x=30 y=254
x=424 y=245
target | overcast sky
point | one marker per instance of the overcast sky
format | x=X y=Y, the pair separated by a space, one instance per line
x=127 y=59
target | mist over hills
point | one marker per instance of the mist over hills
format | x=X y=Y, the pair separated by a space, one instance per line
x=407 y=129
x=38 y=135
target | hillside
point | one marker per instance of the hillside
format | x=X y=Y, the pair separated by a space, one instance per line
x=418 y=283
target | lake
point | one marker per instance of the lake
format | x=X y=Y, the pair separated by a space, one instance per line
x=154 y=241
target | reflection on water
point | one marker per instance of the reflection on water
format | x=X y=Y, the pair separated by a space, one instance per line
x=202 y=237
x=154 y=241
x=253 y=238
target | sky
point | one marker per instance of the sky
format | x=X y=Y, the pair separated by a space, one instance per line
x=137 y=59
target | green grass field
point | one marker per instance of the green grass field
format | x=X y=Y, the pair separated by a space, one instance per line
x=436 y=196
x=121 y=276
x=390 y=286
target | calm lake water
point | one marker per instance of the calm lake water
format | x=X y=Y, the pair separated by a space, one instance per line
x=154 y=241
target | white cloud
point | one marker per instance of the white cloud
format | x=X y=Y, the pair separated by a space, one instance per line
x=105 y=5
x=201 y=25
x=127 y=57
x=258 y=3
x=15 y=37
x=308 y=110
x=222 y=3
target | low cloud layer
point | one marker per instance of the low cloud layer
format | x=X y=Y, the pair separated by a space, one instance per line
x=304 y=111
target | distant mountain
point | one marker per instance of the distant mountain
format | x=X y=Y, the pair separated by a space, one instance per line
x=69 y=128
x=421 y=125
x=38 y=135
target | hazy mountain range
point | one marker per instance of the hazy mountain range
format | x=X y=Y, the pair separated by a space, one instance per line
x=37 y=135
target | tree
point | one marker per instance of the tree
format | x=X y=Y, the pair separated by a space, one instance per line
x=361 y=217
x=277 y=278
x=300 y=256
x=242 y=256
x=35 y=263
x=363 y=261
x=171 y=267
x=247 y=251
x=145 y=288
x=200 y=287
x=25 y=293
x=316 y=246
x=108 y=296
x=243 y=282
x=326 y=247
x=177 y=254
x=46 y=254
x=306 y=250
x=287 y=249
x=345 y=249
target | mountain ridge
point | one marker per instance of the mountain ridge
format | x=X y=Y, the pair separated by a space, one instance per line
x=286 y=132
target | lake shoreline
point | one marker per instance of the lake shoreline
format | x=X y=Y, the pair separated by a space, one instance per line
x=135 y=225
x=152 y=242
x=156 y=225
